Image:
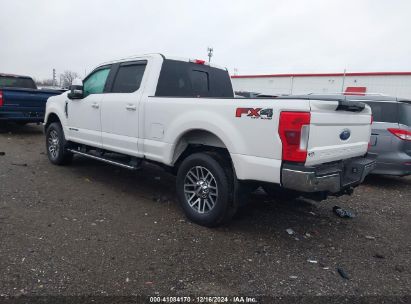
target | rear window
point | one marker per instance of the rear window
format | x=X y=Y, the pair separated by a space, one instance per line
x=405 y=114
x=128 y=78
x=200 y=83
x=384 y=111
x=17 y=82
x=186 y=79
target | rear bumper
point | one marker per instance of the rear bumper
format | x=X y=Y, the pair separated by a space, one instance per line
x=396 y=169
x=331 y=178
x=394 y=163
x=33 y=116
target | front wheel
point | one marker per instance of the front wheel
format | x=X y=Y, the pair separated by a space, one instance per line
x=204 y=188
x=57 y=146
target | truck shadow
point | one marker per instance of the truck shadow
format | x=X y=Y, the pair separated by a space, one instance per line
x=26 y=130
x=387 y=182
x=261 y=215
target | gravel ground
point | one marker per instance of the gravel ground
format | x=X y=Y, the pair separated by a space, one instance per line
x=95 y=229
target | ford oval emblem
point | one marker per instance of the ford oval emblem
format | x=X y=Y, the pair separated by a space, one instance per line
x=345 y=134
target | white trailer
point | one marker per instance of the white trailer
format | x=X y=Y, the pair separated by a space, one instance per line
x=387 y=83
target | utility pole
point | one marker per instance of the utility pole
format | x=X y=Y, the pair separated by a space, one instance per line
x=54 y=77
x=210 y=53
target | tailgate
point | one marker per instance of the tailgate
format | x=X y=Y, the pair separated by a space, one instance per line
x=25 y=100
x=336 y=132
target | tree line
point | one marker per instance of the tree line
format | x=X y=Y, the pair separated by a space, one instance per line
x=63 y=80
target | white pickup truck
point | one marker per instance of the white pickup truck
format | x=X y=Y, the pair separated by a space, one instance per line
x=182 y=114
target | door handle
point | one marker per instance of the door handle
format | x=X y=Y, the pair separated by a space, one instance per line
x=131 y=107
x=95 y=105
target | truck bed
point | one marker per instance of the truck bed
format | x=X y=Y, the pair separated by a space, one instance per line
x=24 y=105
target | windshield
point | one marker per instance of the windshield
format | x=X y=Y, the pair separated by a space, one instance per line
x=17 y=82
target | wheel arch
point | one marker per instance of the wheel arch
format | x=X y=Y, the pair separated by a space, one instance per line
x=51 y=117
x=198 y=140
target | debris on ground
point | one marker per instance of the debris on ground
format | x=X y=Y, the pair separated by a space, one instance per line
x=19 y=164
x=399 y=268
x=312 y=261
x=161 y=199
x=379 y=256
x=290 y=231
x=342 y=213
x=342 y=273
x=293 y=277
x=312 y=213
x=369 y=237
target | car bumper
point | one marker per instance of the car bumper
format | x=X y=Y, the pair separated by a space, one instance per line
x=394 y=163
x=22 y=116
x=331 y=178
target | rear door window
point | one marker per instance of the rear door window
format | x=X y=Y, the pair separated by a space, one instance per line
x=128 y=77
x=384 y=111
x=405 y=114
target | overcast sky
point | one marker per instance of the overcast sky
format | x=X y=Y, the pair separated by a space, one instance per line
x=252 y=36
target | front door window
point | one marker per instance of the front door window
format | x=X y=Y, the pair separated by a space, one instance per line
x=94 y=84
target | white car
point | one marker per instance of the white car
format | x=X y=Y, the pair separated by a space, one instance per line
x=182 y=115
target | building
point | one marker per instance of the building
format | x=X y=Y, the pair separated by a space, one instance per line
x=387 y=83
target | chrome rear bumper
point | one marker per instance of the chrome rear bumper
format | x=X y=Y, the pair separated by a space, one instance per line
x=331 y=178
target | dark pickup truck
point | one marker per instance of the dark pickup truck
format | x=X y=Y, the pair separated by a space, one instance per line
x=21 y=101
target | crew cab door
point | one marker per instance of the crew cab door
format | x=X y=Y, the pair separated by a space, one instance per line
x=120 y=110
x=84 y=115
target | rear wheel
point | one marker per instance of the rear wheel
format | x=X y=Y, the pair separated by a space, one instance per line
x=56 y=145
x=205 y=189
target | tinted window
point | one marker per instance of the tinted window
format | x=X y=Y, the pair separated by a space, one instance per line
x=17 y=82
x=95 y=82
x=220 y=83
x=199 y=83
x=405 y=114
x=128 y=78
x=188 y=79
x=384 y=111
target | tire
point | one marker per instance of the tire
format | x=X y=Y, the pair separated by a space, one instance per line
x=205 y=189
x=56 y=145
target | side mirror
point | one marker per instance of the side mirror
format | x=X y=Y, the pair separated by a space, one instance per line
x=76 y=89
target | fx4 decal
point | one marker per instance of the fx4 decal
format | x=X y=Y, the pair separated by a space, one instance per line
x=255 y=113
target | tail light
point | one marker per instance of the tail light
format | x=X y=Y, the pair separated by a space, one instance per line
x=293 y=130
x=401 y=134
x=1 y=99
x=369 y=143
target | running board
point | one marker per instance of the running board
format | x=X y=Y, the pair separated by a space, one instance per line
x=135 y=166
